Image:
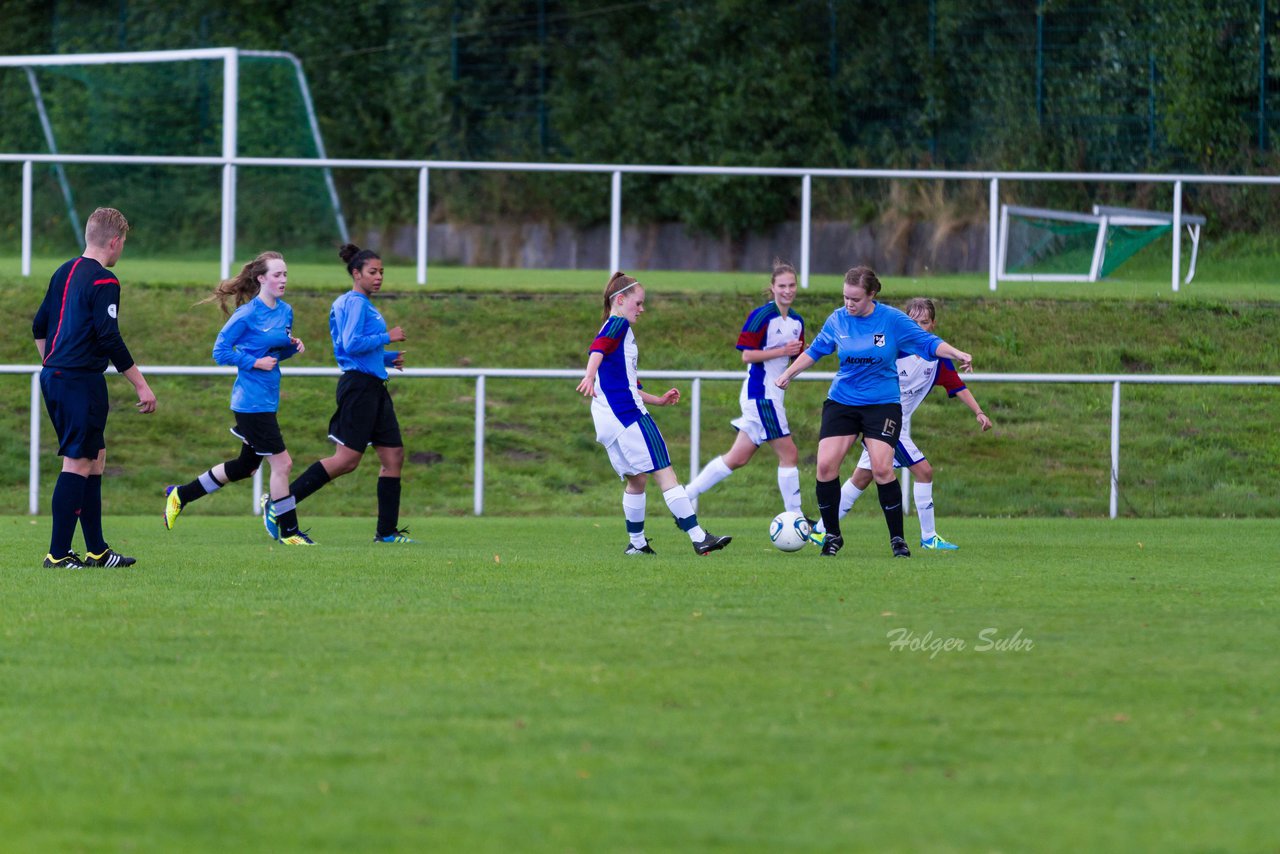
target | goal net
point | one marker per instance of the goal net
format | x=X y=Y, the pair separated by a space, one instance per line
x=167 y=103
x=1044 y=245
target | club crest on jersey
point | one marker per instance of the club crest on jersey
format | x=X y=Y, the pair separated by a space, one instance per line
x=879 y=339
x=111 y=310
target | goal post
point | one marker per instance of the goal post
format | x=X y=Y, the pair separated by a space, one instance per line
x=230 y=58
x=1046 y=245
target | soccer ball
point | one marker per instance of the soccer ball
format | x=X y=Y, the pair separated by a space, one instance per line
x=789 y=531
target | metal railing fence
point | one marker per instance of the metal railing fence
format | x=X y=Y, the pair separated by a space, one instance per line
x=696 y=378
x=229 y=165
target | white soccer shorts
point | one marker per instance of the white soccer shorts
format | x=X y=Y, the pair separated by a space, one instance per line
x=763 y=421
x=638 y=449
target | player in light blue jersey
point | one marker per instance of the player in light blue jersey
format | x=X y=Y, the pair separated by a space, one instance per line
x=623 y=424
x=867 y=337
x=772 y=335
x=255 y=339
x=365 y=415
x=916 y=378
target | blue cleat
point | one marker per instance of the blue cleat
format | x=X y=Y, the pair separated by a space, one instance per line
x=936 y=543
x=269 y=516
x=400 y=537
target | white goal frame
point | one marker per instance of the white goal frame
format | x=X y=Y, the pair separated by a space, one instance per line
x=230 y=59
x=1103 y=217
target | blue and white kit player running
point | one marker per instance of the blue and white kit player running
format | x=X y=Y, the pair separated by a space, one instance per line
x=623 y=424
x=771 y=336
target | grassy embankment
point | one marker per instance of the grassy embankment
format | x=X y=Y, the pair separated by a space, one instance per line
x=1185 y=450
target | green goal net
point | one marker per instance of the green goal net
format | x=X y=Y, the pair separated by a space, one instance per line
x=1038 y=244
x=167 y=108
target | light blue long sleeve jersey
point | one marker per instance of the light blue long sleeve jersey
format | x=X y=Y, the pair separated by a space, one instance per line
x=359 y=333
x=868 y=348
x=254 y=331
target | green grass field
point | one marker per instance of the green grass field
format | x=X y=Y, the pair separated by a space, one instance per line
x=516 y=684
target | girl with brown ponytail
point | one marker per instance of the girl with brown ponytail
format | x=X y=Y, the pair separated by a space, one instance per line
x=623 y=424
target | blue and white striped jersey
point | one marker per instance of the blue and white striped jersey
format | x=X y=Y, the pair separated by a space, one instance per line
x=767 y=329
x=617 y=404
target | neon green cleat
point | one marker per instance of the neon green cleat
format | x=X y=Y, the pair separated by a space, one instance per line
x=298 y=539
x=172 y=507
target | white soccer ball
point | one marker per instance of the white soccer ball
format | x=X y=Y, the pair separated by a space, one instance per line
x=789 y=531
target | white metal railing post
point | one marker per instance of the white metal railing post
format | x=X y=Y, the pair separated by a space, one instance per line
x=695 y=426
x=33 y=463
x=1177 y=234
x=26 y=217
x=228 y=251
x=423 y=209
x=479 y=471
x=230 y=132
x=1115 y=447
x=806 y=204
x=1099 y=249
x=993 y=236
x=615 y=224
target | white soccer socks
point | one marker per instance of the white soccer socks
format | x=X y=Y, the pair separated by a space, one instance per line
x=711 y=474
x=682 y=508
x=924 y=508
x=789 y=486
x=633 y=510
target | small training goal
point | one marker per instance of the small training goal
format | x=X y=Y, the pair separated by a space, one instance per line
x=1044 y=245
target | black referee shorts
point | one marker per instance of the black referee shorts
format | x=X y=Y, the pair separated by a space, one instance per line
x=881 y=421
x=365 y=415
x=77 y=404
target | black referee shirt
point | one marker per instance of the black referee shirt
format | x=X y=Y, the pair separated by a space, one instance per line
x=78 y=319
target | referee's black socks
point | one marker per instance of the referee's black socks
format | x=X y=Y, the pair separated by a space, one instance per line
x=91 y=515
x=828 y=492
x=68 y=499
x=891 y=504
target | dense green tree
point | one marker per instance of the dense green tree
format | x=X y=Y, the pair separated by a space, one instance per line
x=1076 y=85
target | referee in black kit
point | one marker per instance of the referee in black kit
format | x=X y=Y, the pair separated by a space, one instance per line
x=77 y=332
